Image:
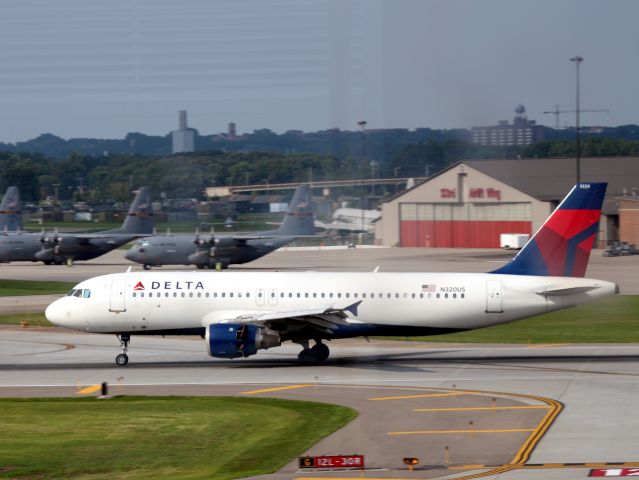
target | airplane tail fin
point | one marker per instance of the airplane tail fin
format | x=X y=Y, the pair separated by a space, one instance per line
x=139 y=220
x=299 y=216
x=11 y=210
x=561 y=247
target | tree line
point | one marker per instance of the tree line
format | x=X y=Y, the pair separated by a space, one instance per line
x=113 y=177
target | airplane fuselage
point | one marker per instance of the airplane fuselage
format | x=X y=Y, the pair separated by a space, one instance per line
x=390 y=303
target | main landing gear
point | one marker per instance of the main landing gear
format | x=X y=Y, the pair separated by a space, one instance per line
x=317 y=354
x=122 y=359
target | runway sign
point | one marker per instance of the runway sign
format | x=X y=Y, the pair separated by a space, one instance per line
x=332 y=461
x=614 y=472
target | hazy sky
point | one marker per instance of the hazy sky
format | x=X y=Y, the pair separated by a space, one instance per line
x=95 y=68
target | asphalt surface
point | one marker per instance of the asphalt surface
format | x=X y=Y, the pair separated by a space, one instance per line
x=508 y=412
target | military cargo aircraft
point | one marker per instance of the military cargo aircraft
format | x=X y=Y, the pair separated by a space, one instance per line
x=220 y=251
x=58 y=248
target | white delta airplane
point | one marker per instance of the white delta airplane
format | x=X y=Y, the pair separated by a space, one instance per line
x=239 y=313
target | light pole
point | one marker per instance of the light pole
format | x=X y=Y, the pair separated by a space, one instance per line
x=577 y=59
x=362 y=125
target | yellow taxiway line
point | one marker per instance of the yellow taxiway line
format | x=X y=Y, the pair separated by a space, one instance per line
x=276 y=389
x=437 y=432
x=90 y=389
x=428 y=395
x=465 y=409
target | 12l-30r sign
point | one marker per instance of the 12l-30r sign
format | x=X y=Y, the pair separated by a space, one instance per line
x=332 y=461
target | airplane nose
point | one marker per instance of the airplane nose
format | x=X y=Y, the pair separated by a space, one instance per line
x=56 y=313
x=131 y=254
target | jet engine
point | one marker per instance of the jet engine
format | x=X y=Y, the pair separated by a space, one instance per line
x=232 y=340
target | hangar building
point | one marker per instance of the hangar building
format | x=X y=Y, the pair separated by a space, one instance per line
x=471 y=203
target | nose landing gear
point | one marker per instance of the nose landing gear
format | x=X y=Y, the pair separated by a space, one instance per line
x=122 y=359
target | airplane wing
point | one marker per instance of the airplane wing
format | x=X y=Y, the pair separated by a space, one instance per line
x=85 y=238
x=323 y=317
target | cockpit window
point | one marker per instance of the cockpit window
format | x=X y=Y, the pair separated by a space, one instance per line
x=71 y=292
x=78 y=293
x=86 y=293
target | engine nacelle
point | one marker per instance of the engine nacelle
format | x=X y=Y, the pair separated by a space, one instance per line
x=232 y=340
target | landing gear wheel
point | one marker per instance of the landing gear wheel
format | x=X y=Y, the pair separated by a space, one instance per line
x=146 y=266
x=69 y=262
x=307 y=357
x=122 y=359
x=48 y=262
x=320 y=351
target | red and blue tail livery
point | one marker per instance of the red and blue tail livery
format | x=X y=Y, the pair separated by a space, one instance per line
x=561 y=247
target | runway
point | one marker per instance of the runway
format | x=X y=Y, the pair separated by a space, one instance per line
x=503 y=411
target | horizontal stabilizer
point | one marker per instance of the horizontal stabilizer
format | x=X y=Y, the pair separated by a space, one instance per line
x=562 y=292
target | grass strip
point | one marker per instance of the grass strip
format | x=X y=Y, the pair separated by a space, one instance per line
x=611 y=320
x=12 y=288
x=159 y=437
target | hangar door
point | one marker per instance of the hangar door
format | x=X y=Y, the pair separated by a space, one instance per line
x=461 y=225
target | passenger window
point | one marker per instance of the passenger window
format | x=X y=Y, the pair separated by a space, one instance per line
x=314 y=294
x=174 y=294
x=306 y=294
x=134 y=294
x=397 y=295
x=413 y=295
x=347 y=295
x=199 y=294
x=248 y=294
x=223 y=294
x=159 y=295
x=290 y=294
x=231 y=295
x=339 y=295
x=142 y=294
x=330 y=294
x=298 y=294
x=207 y=294
x=183 y=294
x=323 y=294
x=166 y=295
x=281 y=294
x=462 y=295
x=437 y=295
x=388 y=295
x=454 y=295
x=421 y=295
x=239 y=294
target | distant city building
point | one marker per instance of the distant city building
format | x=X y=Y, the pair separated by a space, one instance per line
x=232 y=131
x=521 y=132
x=183 y=139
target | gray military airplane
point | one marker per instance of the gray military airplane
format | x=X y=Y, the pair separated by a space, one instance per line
x=213 y=251
x=11 y=211
x=58 y=248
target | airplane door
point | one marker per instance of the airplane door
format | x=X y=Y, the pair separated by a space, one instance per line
x=493 y=296
x=272 y=296
x=118 y=287
x=259 y=296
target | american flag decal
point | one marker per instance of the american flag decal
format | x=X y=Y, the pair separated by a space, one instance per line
x=429 y=287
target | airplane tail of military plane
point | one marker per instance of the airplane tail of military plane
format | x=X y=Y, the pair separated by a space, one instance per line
x=139 y=220
x=11 y=210
x=299 y=216
x=561 y=247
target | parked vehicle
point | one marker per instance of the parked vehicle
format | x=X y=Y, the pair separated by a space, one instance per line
x=620 y=249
